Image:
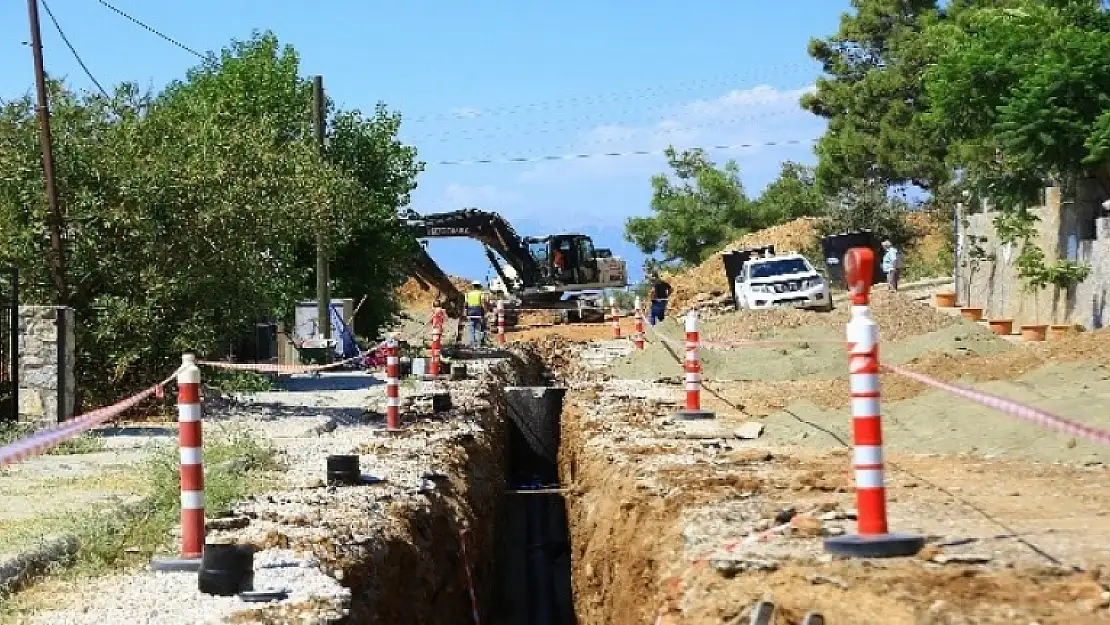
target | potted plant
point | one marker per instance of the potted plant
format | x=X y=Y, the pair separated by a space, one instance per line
x=976 y=256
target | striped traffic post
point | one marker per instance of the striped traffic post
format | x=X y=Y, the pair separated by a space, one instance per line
x=437 y=341
x=615 y=316
x=192 y=465
x=692 y=367
x=873 y=540
x=638 y=339
x=190 y=444
x=500 y=322
x=392 y=384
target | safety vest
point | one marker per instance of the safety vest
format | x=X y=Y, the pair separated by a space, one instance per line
x=474 y=298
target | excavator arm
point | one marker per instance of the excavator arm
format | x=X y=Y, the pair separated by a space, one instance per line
x=490 y=229
x=428 y=273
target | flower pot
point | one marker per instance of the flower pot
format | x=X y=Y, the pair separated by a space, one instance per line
x=971 y=314
x=1035 y=332
x=1001 y=327
x=1057 y=332
x=944 y=300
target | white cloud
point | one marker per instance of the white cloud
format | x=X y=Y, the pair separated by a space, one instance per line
x=483 y=196
x=752 y=117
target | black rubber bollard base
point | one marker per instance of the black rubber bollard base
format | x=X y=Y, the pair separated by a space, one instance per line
x=875 y=546
x=175 y=564
x=691 y=415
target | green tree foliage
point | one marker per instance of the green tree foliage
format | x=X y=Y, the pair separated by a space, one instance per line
x=705 y=207
x=374 y=257
x=1021 y=89
x=792 y=195
x=873 y=99
x=187 y=212
x=864 y=206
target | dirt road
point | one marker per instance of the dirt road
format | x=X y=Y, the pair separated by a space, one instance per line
x=1014 y=515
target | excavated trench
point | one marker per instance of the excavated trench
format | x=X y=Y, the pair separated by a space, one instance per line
x=532 y=559
x=503 y=485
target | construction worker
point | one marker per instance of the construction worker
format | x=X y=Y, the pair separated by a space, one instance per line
x=892 y=264
x=660 y=293
x=476 y=302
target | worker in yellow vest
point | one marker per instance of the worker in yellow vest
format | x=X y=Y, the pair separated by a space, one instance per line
x=476 y=303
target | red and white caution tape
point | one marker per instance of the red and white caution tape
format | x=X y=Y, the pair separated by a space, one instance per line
x=40 y=441
x=286 y=369
x=1010 y=407
x=469 y=578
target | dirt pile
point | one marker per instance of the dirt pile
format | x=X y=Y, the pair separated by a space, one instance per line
x=709 y=277
x=798 y=236
x=414 y=297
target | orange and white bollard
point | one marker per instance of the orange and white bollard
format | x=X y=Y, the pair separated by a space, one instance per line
x=500 y=322
x=437 y=341
x=692 y=366
x=392 y=384
x=638 y=339
x=192 y=462
x=190 y=444
x=873 y=540
x=616 y=317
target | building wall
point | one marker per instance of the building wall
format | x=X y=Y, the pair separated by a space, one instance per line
x=46 y=364
x=1070 y=230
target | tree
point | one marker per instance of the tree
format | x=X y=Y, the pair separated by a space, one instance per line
x=1021 y=89
x=374 y=257
x=873 y=98
x=188 y=211
x=792 y=195
x=868 y=206
x=696 y=214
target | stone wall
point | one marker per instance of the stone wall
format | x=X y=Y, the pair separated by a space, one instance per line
x=46 y=364
x=1066 y=230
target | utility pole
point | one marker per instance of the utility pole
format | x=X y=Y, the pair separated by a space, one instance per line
x=323 y=292
x=57 y=251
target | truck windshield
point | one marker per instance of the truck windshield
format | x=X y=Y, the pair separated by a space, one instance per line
x=785 y=266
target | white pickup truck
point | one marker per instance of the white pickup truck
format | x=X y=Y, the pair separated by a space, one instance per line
x=785 y=280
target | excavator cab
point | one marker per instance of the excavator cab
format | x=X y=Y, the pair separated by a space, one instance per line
x=564 y=259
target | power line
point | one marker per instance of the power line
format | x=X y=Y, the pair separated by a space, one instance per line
x=73 y=50
x=636 y=94
x=582 y=156
x=156 y=32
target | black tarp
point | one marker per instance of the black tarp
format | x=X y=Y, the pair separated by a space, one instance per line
x=735 y=260
x=835 y=246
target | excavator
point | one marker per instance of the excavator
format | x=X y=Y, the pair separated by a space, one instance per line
x=563 y=272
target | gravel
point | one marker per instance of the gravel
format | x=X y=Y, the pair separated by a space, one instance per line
x=307 y=533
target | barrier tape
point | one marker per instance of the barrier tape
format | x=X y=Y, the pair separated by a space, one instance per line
x=287 y=369
x=37 y=443
x=1010 y=407
x=469 y=578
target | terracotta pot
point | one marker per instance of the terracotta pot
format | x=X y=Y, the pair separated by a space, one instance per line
x=971 y=314
x=1057 y=332
x=1034 y=332
x=944 y=300
x=1001 y=327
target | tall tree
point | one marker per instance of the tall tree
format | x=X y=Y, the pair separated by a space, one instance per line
x=1021 y=89
x=694 y=214
x=792 y=195
x=187 y=210
x=873 y=98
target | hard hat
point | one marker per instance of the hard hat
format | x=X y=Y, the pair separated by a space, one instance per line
x=476 y=283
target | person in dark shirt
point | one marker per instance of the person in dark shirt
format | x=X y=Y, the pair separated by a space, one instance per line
x=660 y=293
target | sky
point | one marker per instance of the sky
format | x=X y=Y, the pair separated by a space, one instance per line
x=499 y=80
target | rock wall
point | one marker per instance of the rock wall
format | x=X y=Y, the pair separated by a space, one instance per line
x=1071 y=230
x=46 y=364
